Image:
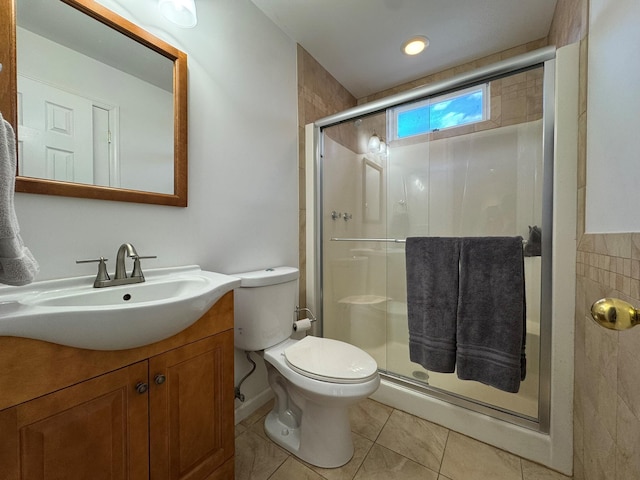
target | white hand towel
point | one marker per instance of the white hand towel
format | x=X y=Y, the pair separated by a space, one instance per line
x=17 y=265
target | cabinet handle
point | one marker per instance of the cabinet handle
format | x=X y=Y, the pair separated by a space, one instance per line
x=142 y=387
x=160 y=379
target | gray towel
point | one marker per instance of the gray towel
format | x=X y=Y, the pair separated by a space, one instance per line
x=432 y=295
x=491 y=312
x=17 y=265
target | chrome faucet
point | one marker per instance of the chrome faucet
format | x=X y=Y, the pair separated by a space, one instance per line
x=120 y=277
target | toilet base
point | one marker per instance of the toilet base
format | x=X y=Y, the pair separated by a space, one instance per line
x=322 y=447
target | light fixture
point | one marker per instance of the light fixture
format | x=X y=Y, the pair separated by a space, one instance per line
x=415 y=45
x=377 y=145
x=374 y=144
x=180 y=12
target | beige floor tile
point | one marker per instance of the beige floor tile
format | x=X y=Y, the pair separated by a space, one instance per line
x=361 y=447
x=292 y=469
x=468 y=459
x=407 y=447
x=368 y=417
x=533 y=471
x=240 y=429
x=384 y=464
x=258 y=429
x=256 y=458
x=415 y=438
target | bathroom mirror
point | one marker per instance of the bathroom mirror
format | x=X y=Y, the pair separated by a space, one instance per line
x=371 y=191
x=100 y=104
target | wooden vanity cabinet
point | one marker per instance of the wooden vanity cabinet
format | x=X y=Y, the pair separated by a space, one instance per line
x=191 y=424
x=95 y=429
x=166 y=414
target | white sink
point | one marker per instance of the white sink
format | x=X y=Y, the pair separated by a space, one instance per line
x=71 y=312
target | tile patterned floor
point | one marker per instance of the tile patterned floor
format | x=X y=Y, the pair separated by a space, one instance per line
x=389 y=445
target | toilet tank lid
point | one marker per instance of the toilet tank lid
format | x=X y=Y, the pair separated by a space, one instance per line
x=268 y=276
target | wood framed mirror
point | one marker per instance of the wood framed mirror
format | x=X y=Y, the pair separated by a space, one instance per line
x=145 y=152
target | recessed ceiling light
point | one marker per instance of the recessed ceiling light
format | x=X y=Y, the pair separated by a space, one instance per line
x=415 y=45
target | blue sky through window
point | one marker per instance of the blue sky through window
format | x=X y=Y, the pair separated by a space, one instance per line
x=450 y=112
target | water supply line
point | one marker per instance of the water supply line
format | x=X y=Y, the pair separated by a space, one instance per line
x=238 y=394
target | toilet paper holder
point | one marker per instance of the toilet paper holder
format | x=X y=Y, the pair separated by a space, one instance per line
x=310 y=316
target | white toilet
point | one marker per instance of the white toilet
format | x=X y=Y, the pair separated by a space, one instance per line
x=314 y=380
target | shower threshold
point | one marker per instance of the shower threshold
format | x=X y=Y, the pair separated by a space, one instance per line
x=461 y=401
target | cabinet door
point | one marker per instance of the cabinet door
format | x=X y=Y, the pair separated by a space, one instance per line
x=97 y=429
x=191 y=409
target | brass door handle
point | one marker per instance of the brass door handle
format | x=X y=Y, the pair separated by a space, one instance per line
x=615 y=314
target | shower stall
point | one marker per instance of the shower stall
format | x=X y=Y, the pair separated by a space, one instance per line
x=468 y=157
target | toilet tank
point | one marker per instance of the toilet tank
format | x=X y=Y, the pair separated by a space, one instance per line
x=264 y=307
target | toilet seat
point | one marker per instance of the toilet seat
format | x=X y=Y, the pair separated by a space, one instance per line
x=330 y=360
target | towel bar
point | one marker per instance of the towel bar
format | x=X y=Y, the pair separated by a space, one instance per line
x=391 y=240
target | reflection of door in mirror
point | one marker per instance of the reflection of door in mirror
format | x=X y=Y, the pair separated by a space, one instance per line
x=86 y=113
x=371 y=191
x=56 y=134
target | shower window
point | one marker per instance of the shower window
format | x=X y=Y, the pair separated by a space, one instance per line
x=446 y=111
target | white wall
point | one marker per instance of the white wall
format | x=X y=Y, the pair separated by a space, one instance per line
x=243 y=146
x=612 y=194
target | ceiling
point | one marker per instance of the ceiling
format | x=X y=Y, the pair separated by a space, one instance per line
x=359 y=41
x=65 y=25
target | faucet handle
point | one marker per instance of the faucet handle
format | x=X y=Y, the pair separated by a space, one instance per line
x=137 y=269
x=102 y=269
x=96 y=260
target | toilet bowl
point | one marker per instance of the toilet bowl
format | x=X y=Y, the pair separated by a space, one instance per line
x=314 y=380
x=310 y=417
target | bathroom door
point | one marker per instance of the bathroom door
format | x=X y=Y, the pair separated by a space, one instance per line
x=55 y=133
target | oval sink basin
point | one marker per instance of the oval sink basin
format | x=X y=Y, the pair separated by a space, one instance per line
x=71 y=312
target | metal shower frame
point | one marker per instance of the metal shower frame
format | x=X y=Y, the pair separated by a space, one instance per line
x=543 y=57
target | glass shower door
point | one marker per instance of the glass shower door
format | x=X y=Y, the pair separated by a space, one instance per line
x=353 y=225
x=473 y=179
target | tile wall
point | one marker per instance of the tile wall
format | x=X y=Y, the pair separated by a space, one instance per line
x=607 y=365
x=319 y=95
